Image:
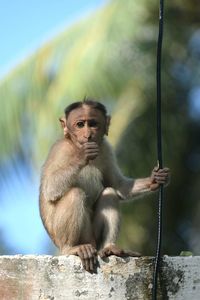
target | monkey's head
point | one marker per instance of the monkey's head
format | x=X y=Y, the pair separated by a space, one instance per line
x=85 y=121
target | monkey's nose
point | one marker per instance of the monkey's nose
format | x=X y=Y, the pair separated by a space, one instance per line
x=87 y=134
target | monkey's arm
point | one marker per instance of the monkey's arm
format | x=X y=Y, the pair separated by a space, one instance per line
x=131 y=188
x=57 y=183
x=59 y=171
x=128 y=187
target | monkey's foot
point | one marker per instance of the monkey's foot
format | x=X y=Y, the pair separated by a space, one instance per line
x=114 y=250
x=87 y=254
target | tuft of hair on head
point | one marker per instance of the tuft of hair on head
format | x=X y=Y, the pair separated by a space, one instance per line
x=86 y=101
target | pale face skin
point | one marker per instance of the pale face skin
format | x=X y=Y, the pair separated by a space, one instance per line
x=86 y=125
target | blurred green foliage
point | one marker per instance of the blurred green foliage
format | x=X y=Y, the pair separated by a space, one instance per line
x=111 y=56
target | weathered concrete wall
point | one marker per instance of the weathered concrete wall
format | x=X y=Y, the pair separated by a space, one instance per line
x=61 y=278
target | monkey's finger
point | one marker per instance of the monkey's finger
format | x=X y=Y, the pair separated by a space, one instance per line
x=80 y=252
x=91 y=263
x=161 y=180
x=101 y=253
x=84 y=251
x=104 y=253
x=94 y=250
x=92 y=253
x=161 y=177
x=91 y=157
x=88 y=249
x=91 y=152
x=161 y=173
x=87 y=265
x=87 y=256
x=165 y=170
x=83 y=256
x=83 y=260
x=95 y=257
x=90 y=145
x=156 y=168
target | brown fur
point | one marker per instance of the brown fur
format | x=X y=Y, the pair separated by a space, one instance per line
x=81 y=186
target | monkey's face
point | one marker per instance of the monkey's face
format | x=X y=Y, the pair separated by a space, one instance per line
x=86 y=124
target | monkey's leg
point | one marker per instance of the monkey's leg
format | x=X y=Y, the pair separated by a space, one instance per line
x=72 y=231
x=106 y=222
x=107 y=225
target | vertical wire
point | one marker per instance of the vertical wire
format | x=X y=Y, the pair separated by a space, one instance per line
x=159 y=152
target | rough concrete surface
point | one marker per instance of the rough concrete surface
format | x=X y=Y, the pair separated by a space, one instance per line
x=33 y=277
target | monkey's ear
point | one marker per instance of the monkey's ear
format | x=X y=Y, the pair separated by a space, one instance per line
x=63 y=123
x=108 y=119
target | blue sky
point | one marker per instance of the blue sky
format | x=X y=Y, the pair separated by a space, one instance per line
x=25 y=26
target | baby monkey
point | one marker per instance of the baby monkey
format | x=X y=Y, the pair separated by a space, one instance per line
x=82 y=185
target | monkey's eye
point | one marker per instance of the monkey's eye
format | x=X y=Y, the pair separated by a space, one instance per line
x=80 y=124
x=93 y=123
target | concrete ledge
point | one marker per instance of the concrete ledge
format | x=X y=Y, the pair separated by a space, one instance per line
x=32 y=277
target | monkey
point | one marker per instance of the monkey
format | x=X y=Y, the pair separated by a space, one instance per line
x=82 y=185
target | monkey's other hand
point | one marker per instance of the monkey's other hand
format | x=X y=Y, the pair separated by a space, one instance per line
x=114 y=250
x=88 y=256
x=91 y=150
x=158 y=177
